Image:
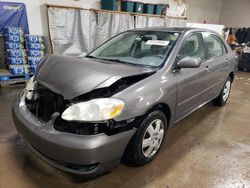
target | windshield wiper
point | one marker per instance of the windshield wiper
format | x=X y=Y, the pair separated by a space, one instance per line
x=90 y=56
x=112 y=60
x=134 y=64
x=93 y=57
x=128 y=63
x=118 y=61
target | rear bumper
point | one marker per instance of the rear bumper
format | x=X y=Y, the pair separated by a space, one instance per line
x=88 y=155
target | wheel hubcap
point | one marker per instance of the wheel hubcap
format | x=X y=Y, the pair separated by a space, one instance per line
x=226 y=90
x=152 y=138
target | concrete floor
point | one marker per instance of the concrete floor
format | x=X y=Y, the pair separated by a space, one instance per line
x=210 y=148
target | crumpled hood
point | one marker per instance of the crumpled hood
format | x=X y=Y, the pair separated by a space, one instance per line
x=72 y=77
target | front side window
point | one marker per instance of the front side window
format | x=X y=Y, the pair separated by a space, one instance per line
x=214 y=45
x=192 y=47
x=146 y=48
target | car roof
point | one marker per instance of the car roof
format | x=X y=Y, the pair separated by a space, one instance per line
x=174 y=29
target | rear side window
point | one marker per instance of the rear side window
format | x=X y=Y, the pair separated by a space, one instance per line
x=214 y=46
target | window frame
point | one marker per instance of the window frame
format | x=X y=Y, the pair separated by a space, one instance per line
x=135 y=31
x=224 y=49
x=200 y=36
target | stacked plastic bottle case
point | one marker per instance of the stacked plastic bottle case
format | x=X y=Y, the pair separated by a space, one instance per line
x=15 y=52
x=35 y=50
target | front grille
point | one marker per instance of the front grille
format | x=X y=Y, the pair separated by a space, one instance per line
x=46 y=104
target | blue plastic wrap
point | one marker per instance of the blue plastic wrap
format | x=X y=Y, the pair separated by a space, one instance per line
x=13 y=31
x=33 y=68
x=19 y=69
x=36 y=53
x=34 y=60
x=13 y=45
x=34 y=39
x=14 y=38
x=35 y=46
x=16 y=61
x=13 y=14
x=16 y=53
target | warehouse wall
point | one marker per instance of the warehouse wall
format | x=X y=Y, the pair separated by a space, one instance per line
x=200 y=10
x=235 y=13
x=37 y=15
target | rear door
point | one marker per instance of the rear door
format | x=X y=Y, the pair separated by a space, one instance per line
x=217 y=63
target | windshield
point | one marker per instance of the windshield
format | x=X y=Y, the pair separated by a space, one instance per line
x=146 y=48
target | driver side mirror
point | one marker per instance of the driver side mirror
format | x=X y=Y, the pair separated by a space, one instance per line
x=189 y=62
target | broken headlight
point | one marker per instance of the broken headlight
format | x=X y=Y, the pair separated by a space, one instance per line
x=94 y=110
x=30 y=84
x=30 y=87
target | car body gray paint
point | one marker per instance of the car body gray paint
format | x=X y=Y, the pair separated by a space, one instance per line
x=60 y=148
x=162 y=87
x=72 y=77
x=81 y=76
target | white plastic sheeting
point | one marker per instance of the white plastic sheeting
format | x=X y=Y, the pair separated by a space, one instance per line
x=109 y=25
x=145 y=21
x=72 y=31
x=172 y=22
x=76 y=32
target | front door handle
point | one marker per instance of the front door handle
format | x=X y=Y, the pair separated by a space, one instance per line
x=207 y=68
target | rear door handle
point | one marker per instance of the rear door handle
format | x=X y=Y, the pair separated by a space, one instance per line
x=207 y=68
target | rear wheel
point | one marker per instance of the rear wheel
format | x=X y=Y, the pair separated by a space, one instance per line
x=225 y=93
x=148 y=140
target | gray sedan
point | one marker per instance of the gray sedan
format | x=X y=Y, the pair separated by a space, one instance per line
x=85 y=115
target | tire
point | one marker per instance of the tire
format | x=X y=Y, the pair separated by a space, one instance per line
x=221 y=100
x=136 y=153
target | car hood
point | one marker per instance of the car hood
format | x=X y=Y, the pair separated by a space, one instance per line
x=72 y=77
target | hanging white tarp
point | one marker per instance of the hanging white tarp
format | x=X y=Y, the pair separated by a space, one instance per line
x=141 y=21
x=155 y=22
x=109 y=25
x=76 y=32
x=72 y=31
x=145 y=21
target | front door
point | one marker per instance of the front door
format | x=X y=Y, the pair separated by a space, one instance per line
x=191 y=81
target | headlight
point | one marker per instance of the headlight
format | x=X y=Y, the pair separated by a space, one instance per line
x=94 y=110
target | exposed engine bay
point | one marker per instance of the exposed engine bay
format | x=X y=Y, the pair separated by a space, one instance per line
x=47 y=105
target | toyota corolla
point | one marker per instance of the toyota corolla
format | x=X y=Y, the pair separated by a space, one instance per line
x=84 y=115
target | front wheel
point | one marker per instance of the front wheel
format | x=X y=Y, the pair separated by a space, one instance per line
x=225 y=93
x=147 y=141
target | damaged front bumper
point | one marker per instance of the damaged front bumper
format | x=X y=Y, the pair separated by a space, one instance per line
x=87 y=155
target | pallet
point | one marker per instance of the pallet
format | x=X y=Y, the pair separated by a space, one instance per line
x=7 y=79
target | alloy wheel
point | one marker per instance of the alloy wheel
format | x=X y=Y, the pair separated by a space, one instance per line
x=226 y=90
x=152 y=138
